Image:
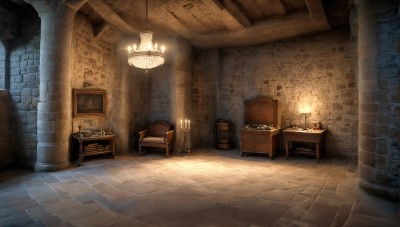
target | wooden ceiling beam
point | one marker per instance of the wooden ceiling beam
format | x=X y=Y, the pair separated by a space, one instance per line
x=101 y=29
x=230 y=22
x=234 y=10
x=316 y=10
x=271 y=30
x=111 y=16
x=271 y=7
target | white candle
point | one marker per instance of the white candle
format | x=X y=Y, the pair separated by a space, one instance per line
x=185 y=124
x=189 y=124
x=181 y=124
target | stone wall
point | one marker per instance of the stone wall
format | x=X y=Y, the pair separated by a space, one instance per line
x=378 y=59
x=139 y=103
x=204 y=96
x=24 y=88
x=2 y=66
x=7 y=136
x=314 y=70
x=387 y=92
x=95 y=65
x=160 y=93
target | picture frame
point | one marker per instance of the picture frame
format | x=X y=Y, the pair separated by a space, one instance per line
x=88 y=102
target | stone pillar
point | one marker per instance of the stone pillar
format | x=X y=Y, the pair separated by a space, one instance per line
x=54 y=107
x=374 y=104
x=181 y=74
x=121 y=118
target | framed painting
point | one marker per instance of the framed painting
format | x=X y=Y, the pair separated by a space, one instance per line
x=89 y=102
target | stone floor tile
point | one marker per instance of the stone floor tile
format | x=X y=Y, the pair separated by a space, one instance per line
x=61 y=206
x=101 y=218
x=16 y=219
x=37 y=213
x=129 y=222
x=79 y=212
x=342 y=216
x=370 y=221
x=294 y=214
x=207 y=188
x=320 y=214
x=72 y=187
x=91 y=180
x=285 y=222
x=53 y=220
x=42 y=193
x=112 y=193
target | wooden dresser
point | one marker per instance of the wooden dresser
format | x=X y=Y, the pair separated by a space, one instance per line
x=261 y=132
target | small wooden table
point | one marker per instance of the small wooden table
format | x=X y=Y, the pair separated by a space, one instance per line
x=94 y=145
x=311 y=136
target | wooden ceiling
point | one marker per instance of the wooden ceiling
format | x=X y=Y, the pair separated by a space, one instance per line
x=218 y=23
x=215 y=23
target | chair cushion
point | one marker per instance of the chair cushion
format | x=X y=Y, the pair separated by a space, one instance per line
x=152 y=139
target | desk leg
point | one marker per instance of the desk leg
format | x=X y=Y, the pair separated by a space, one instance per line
x=287 y=149
x=80 y=155
x=113 y=147
x=317 y=151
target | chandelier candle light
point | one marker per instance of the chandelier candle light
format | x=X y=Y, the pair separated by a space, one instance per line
x=147 y=55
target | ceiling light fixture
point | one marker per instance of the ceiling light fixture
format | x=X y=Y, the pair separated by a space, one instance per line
x=147 y=55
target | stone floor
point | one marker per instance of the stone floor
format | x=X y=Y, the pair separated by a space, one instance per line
x=208 y=188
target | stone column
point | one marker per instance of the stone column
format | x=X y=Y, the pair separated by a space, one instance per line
x=374 y=133
x=54 y=107
x=181 y=74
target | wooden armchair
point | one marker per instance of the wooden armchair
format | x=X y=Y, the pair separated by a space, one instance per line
x=159 y=134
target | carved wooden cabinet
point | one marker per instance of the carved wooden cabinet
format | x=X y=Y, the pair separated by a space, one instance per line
x=261 y=132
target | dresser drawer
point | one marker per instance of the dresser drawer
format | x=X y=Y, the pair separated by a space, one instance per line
x=256 y=147
x=255 y=137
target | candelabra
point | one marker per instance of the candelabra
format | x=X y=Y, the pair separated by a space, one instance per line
x=185 y=130
x=185 y=148
x=305 y=114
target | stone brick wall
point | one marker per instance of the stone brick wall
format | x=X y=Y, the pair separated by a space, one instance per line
x=139 y=103
x=24 y=89
x=204 y=96
x=378 y=33
x=160 y=92
x=7 y=136
x=314 y=70
x=386 y=90
x=95 y=65
x=2 y=66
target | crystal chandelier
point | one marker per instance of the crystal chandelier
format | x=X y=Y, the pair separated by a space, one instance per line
x=147 y=55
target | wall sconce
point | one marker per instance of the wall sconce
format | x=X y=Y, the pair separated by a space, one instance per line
x=306 y=112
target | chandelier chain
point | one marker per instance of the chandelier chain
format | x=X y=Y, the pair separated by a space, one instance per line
x=147 y=6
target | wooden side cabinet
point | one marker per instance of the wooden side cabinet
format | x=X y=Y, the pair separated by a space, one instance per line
x=223 y=135
x=315 y=136
x=89 y=146
x=259 y=141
